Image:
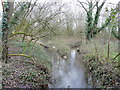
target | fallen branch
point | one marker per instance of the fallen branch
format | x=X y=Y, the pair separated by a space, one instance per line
x=28 y=56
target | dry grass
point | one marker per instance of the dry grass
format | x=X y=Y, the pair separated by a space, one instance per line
x=99 y=46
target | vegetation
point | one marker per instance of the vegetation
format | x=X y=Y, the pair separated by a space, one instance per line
x=101 y=63
x=26 y=72
x=30 y=29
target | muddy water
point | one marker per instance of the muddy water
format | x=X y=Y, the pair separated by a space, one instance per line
x=69 y=73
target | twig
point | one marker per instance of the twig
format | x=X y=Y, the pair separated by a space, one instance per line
x=116 y=56
x=83 y=5
x=26 y=34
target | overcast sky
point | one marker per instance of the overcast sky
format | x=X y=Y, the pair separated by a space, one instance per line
x=64 y=1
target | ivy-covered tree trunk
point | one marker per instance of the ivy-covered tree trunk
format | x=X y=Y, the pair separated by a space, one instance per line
x=92 y=20
x=89 y=21
x=5 y=31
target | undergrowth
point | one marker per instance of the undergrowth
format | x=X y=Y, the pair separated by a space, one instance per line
x=104 y=70
x=24 y=72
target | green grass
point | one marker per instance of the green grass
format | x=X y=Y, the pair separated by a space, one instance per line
x=36 y=51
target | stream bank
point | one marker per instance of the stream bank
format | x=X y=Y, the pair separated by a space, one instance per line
x=23 y=72
x=104 y=73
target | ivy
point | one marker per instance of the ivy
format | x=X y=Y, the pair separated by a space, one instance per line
x=5 y=30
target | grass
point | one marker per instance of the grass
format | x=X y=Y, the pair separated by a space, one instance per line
x=97 y=47
x=36 y=51
x=23 y=71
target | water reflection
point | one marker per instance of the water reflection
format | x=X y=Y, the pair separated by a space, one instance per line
x=68 y=73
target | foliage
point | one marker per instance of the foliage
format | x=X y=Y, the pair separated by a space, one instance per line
x=102 y=72
x=35 y=78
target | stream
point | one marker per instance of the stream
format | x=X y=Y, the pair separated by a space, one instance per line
x=69 y=73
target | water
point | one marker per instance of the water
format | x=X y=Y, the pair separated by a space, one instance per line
x=69 y=73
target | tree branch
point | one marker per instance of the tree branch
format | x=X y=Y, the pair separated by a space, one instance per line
x=116 y=56
x=18 y=33
x=82 y=5
x=28 y=56
x=116 y=35
x=99 y=8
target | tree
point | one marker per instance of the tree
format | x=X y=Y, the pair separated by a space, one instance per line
x=92 y=19
x=7 y=13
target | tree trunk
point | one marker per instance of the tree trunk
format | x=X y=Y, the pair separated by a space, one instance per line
x=7 y=13
x=11 y=6
x=5 y=30
x=10 y=12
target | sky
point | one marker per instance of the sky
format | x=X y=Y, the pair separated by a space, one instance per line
x=70 y=2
